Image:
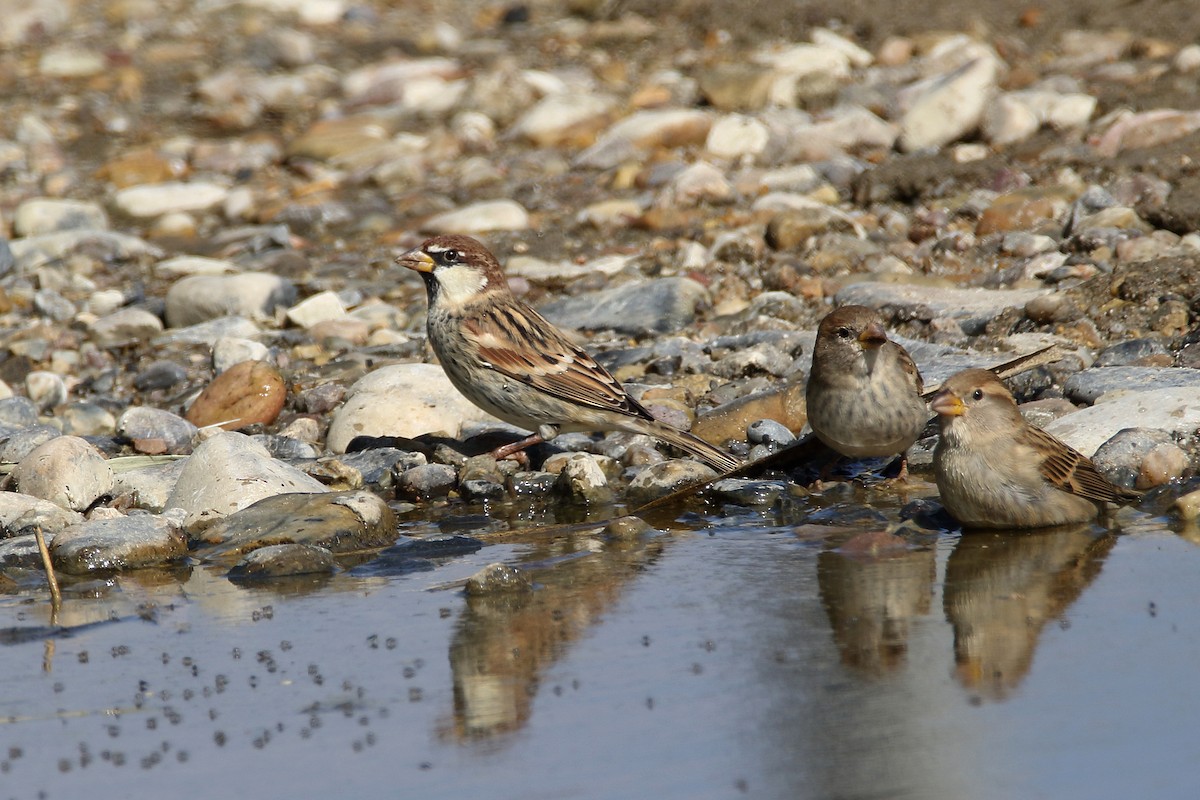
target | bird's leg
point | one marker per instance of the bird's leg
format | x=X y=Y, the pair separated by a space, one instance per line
x=543 y=433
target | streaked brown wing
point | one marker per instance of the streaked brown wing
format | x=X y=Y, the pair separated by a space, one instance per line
x=1074 y=472
x=910 y=367
x=521 y=344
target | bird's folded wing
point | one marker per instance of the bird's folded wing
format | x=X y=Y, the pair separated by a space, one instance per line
x=1074 y=472
x=521 y=344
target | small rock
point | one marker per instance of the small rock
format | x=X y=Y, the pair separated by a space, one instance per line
x=50 y=215
x=86 y=419
x=737 y=136
x=23 y=442
x=99 y=545
x=663 y=478
x=497 y=579
x=482 y=217
x=403 y=400
x=338 y=522
x=20 y=514
x=972 y=308
x=1090 y=384
x=582 y=480
x=141 y=422
x=45 y=389
x=1172 y=410
x=750 y=493
x=149 y=487
x=643 y=131
x=318 y=308
x=228 y=472
x=637 y=309
x=245 y=394
x=284 y=560
x=626 y=529
x=426 y=482
x=1140 y=458
x=209 y=332
x=159 y=375
x=941 y=109
x=770 y=432
x=1133 y=352
x=157 y=199
x=65 y=470
x=200 y=298
x=563 y=118
x=229 y=351
x=124 y=327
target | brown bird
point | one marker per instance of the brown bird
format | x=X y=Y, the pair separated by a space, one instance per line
x=510 y=361
x=995 y=470
x=864 y=391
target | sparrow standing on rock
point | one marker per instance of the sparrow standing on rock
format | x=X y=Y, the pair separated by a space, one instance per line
x=864 y=391
x=995 y=470
x=510 y=361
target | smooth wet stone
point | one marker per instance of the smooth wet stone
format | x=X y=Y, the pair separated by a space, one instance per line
x=663 y=478
x=149 y=487
x=125 y=326
x=378 y=465
x=533 y=484
x=200 y=298
x=121 y=543
x=22 y=513
x=336 y=521
x=140 y=423
x=402 y=400
x=582 y=480
x=426 y=482
x=1141 y=458
x=481 y=217
x=248 y=393
x=770 y=432
x=209 y=332
x=638 y=309
x=65 y=470
x=1090 y=384
x=154 y=200
x=283 y=560
x=971 y=308
x=228 y=472
x=497 y=579
x=753 y=493
x=728 y=421
x=626 y=529
x=1172 y=410
x=44 y=215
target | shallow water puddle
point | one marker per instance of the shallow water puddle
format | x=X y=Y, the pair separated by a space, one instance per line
x=741 y=657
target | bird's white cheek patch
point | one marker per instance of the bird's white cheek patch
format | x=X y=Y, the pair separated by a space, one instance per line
x=459 y=284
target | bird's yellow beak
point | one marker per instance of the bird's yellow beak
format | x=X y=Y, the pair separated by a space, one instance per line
x=873 y=336
x=416 y=259
x=947 y=404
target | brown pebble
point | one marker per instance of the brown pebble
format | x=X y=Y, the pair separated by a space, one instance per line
x=150 y=447
x=246 y=393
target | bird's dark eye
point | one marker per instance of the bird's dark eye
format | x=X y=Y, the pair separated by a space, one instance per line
x=451 y=257
x=977 y=394
x=843 y=333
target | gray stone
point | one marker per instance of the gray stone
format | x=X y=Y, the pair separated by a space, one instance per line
x=65 y=470
x=284 y=560
x=665 y=477
x=427 y=481
x=143 y=422
x=971 y=308
x=752 y=493
x=209 y=332
x=86 y=419
x=1123 y=458
x=125 y=326
x=200 y=298
x=37 y=251
x=1087 y=386
x=118 y=543
x=637 y=309
x=1173 y=410
x=402 y=400
x=1129 y=352
x=49 y=215
x=153 y=200
x=582 y=480
x=149 y=487
x=489 y=215
x=498 y=579
x=21 y=513
x=336 y=521
x=22 y=442
x=769 y=432
x=228 y=472
x=18 y=412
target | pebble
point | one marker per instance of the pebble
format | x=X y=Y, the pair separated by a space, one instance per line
x=228 y=472
x=337 y=522
x=316 y=309
x=563 y=118
x=1090 y=385
x=125 y=327
x=426 y=481
x=404 y=400
x=636 y=309
x=1172 y=410
x=121 y=543
x=144 y=423
x=482 y=217
x=498 y=579
x=201 y=298
x=245 y=394
x=65 y=470
x=644 y=131
x=282 y=561
x=582 y=480
x=942 y=108
x=663 y=478
x=1141 y=458
x=971 y=308
x=20 y=514
x=43 y=215
x=22 y=442
x=149 y=487
x=164 y=198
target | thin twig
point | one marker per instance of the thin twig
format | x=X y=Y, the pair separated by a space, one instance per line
x=51 y=578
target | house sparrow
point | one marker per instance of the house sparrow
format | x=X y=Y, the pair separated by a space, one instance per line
x=511 y=362
x=995 y=470
x=864 y=391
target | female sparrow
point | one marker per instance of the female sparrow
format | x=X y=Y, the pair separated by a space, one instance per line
x=995 y=470
x=511 y=362
x=864 y=391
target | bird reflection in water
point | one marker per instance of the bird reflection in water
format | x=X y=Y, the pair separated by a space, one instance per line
x=504 y=643
x=872 y=587
x=1000 y=591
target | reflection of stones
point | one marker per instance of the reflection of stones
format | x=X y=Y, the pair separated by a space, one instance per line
x=871 y=598
x=1002 y=588
x=505 y=641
